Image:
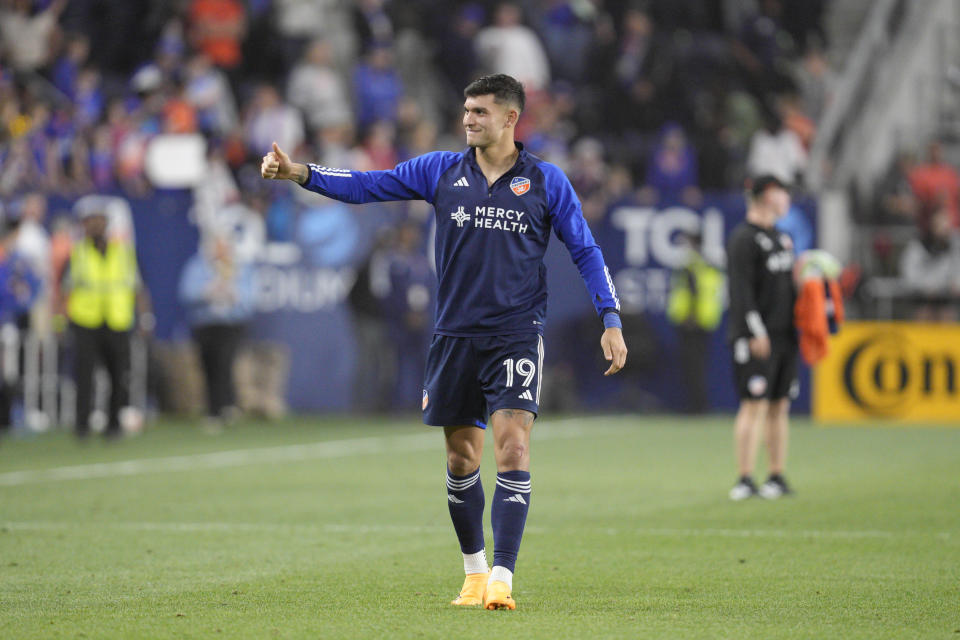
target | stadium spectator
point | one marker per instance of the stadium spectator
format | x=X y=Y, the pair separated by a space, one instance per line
x=89 y=99
x=456 y=57
x=695 y=308
x=19 y=288
x=68 y=65
x=672 y=168
x=408 y=304
x=896 y=201
x=217 y=28
x=374 y=378
x=179 y=116
x=372 y=25
x=317 y=89
x=27 y=37
x=796 y=225
x=816 y=82
x=509 y=47
x=566 y=29
x=209 y=91
x=32 y=241
x=776 y=150
x=937 y=186
x=268 y=118
x=930 y=267
x=299 y=22
x=642 y=69
x=217 y=292
x=379 y=146
x=377 y=87
x=104 y=292
x=20 y=168
x=762 y=46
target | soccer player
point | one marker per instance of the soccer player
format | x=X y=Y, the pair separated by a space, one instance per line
x=495 y=207
x=761 y=332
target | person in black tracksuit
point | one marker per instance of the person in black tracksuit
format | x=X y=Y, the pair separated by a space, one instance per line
x=762 y=334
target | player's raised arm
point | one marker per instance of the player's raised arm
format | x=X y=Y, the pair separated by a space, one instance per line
x=414 y=179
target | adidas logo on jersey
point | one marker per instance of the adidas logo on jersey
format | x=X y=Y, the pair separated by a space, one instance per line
x=526 y=395
x=515 y=498
x=462 y=182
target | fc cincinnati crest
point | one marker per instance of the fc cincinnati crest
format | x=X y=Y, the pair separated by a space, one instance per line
x=520 y=185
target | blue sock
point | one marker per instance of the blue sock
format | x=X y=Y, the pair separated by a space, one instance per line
x=465 y=501
x=511 y=500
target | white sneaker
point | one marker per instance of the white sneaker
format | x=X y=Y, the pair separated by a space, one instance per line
x=743 y=489
x=770 y=490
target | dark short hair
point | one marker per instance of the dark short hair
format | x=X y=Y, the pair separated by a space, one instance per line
x=761 y=183
x=504 y=88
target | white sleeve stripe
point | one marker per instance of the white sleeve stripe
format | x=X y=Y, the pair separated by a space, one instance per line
x=611 y=288
x=328 y=171
x=755 y=324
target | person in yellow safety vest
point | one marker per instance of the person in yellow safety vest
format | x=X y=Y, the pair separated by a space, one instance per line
x=695 y=306
x=103 y=294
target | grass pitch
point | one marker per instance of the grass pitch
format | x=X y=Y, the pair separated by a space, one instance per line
x=338 y=528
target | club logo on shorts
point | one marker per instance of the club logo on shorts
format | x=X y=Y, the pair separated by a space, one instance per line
x=520 y=185
x=794 y=389
x=757 y=386
x=426 y=399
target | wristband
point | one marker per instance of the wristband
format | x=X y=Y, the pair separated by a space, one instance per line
x=611 y=320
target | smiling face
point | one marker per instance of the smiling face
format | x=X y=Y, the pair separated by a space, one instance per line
x=487 y=121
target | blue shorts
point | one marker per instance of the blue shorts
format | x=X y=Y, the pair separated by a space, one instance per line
x=467 y=379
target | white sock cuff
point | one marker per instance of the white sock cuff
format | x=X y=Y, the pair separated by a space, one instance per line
x=461 y=484
x=475 y=562
x=502 y=574
x=512 y=485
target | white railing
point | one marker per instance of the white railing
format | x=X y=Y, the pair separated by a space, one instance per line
x=872 y=41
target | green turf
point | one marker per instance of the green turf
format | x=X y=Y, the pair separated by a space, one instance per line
x=630 y=536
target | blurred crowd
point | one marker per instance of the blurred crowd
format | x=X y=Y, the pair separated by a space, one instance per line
x=676 y=95
x=641 y=100
x=917 y=213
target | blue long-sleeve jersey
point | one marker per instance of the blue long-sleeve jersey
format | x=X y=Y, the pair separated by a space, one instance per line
x=490 y=240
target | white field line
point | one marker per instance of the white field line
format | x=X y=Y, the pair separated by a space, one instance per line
x=567 y=428
x=356 y=529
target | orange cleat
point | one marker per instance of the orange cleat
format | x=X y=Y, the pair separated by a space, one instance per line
x=498 y=596
x=471 y=595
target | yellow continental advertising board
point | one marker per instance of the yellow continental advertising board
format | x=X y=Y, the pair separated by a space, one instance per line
x=892 y=371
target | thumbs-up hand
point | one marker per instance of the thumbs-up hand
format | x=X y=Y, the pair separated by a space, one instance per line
x=276 y=164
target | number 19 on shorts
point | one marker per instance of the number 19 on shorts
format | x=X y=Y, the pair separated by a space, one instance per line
x=525 y=369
